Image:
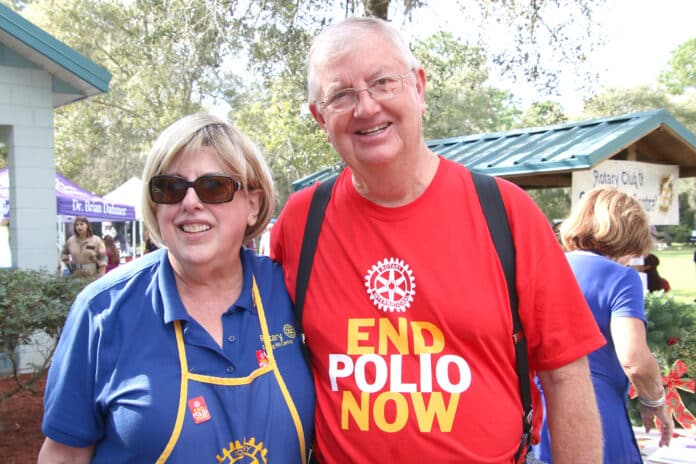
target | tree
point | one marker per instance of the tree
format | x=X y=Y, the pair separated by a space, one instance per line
x=293 y=143
x=166 y=58
x=169 y=58
x=681 y=72
x=531 y=40
x=614 y=102
x=546 y=113
x=459 y=102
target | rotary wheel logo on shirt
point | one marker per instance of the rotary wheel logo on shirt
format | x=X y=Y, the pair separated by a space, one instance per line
x=246 y=452
x=391 y=285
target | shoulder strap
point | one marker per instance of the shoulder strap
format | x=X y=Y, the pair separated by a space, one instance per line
x=499 y=227
x=309 y=245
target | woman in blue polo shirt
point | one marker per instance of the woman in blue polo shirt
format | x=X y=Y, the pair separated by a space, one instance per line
x=190 y=353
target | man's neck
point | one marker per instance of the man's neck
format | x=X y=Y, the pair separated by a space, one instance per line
x=398 y=186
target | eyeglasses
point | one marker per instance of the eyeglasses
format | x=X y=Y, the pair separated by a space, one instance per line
x=382 y=88
x=210 y=188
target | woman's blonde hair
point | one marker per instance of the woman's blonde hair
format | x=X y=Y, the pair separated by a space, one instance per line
x=235 y=150
x=608 y=222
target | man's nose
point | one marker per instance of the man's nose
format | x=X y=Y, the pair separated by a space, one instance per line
x=364 y=103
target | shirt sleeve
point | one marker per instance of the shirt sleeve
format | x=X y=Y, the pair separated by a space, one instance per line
x=70 y=412
x=628 y=300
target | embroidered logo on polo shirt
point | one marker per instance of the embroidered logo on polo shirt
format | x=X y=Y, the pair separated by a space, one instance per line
x=199 y=410
x=391 y=285
x=247 y=451
x=289 y=331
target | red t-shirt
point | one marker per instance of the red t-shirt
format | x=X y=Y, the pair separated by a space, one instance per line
x=408 y=321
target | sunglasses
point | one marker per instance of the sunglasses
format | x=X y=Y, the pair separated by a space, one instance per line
x=210 y=188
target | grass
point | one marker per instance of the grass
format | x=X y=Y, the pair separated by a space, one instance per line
x=678 y=267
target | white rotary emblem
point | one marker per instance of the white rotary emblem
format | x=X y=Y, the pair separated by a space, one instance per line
x=391 y=285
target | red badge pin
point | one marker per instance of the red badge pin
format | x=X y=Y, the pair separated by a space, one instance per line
x=199 y=410
x=261 y=358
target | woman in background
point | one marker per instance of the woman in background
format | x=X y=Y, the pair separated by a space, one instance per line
x=112 y=254
x=604 y=231
x=84 y=253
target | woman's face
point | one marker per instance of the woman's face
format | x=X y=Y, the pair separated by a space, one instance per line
x=200 y=234
x=81 y=228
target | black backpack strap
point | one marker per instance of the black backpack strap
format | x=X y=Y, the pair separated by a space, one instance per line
x=499 y=227
x=317 y=207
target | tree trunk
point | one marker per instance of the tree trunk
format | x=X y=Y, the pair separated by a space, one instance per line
x=377 y=8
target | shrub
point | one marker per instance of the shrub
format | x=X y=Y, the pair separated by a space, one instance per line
x=680 y=233
x=32 y=301
x=671 y=336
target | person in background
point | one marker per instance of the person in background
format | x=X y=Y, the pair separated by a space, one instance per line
x=188 y=354
x=603 y=232
x=411 y=348
x=112 y=253
x=84 y=253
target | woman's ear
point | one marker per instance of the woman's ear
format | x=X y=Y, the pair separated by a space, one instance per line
x=254 y=206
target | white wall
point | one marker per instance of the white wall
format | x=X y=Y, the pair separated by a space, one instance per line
x=26 y=127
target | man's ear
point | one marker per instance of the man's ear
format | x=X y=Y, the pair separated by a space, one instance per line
x=318 y=117
x=420 y=86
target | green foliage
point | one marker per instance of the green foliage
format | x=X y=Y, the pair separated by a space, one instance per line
x=681 y=72
x=3 y=155
x=616 y=102
x=32 y=301
x=553 y=202
x=169 y=58
x=679 y=233
x=546 y=113
x=293 y=143
x=687 y=203
x=458 y=100
x=671 y=335
x=166 y=59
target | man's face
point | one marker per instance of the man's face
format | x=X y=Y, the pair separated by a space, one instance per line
x=373 y=132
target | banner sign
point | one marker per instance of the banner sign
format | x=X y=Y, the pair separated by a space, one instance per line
x=95 y=208
x=656 y=186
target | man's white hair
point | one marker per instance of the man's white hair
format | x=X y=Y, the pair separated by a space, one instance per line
x=335 y=41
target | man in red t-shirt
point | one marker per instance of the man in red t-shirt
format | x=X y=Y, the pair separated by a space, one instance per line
x=407 y=315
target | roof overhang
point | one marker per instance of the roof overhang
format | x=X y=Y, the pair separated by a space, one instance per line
x=83 y=77
x=547 y=156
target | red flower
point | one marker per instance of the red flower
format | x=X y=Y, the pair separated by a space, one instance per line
x=672 y=341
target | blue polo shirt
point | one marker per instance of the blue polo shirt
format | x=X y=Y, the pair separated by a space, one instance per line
x=116 y=377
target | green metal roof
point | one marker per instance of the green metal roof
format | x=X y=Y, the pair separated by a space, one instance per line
x=546 y=156
x=83 y=77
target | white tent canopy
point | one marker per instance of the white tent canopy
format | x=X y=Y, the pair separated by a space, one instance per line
x=131 y=193
x=128 y=193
